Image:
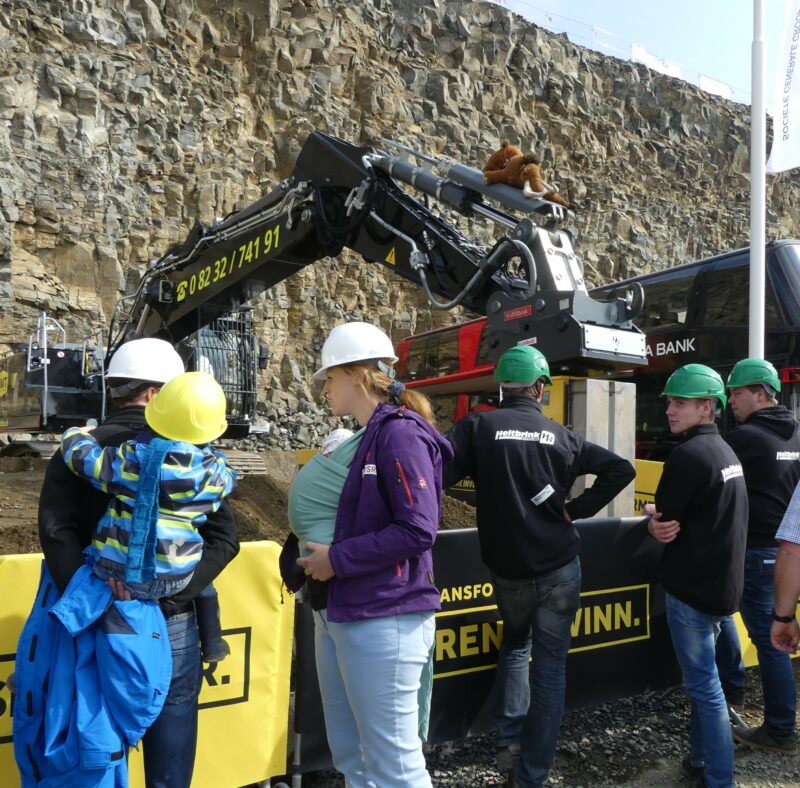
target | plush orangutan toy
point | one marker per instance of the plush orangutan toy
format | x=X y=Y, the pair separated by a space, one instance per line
x=508 y=165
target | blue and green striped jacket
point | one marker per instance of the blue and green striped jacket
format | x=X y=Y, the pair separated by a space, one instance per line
x=194 y=480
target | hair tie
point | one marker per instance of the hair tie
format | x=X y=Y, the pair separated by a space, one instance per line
x=396 y=388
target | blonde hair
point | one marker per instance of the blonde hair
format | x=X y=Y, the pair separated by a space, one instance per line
x=377 y=382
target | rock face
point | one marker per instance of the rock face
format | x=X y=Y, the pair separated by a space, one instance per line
x=123 y=121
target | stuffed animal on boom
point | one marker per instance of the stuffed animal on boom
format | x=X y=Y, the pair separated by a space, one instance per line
x=509 y=165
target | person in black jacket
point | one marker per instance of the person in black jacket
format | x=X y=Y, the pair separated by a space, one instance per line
x=767 y=443
x=524 y=465
x=69 y=510
x=701 y=518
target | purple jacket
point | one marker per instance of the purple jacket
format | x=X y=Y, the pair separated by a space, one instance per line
x=387 y=520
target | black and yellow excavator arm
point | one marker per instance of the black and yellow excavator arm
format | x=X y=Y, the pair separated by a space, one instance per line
x=529 y=283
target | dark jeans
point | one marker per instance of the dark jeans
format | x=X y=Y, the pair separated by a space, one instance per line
x=730 y=665
x=777 y=678
x=171 y=741
x=537 y=619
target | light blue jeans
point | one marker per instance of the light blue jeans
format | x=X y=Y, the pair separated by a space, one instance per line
x=369 y=675
x=694 y=635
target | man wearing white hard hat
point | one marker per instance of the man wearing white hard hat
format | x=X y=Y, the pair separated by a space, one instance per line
x=69 y=511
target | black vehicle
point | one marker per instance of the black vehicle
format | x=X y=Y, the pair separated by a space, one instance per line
x=699 y=312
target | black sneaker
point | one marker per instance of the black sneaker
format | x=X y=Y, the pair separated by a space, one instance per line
x=762 y=738
x=507 y=756
x=735 y=697
x=694 y=773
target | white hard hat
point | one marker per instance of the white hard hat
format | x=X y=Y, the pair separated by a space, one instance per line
x=150 y=360
x=353 y=342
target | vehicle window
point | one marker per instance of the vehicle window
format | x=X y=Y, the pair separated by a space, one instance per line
x=666 y=303
x=442 y=354
x=416 y=360
x=444 y=409
x=728 y=299
x=483 y=356
x=785 y=280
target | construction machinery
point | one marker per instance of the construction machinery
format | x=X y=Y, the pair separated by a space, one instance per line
x=389 y=204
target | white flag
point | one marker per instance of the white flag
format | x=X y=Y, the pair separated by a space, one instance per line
x=785 y=154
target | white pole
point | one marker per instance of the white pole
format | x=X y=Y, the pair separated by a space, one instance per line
x=758 y=177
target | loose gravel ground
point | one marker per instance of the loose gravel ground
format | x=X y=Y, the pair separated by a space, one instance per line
x=637 y=741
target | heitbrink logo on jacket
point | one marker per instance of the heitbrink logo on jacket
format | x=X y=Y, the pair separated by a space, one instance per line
x=522 y=435
x=731 y=472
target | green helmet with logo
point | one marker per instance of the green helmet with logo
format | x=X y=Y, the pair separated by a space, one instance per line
x=695 y=381
x=754 y=372
x=521 y=365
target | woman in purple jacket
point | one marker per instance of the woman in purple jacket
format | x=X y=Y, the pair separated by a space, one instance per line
x=372 y=589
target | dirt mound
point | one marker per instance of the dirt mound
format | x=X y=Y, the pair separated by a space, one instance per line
x=456 y=514
x=260 y=506
x=259 y=503
x=20 y=483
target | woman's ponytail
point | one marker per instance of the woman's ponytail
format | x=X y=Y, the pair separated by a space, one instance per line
x=392 y=390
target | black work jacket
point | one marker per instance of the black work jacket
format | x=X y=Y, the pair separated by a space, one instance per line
x=702 y=487
x=768 y=446
x=524 y=465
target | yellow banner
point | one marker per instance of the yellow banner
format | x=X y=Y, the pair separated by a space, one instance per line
x=244 y=703
x=648 y=475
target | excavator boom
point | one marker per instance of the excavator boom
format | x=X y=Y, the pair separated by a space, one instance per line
x=529 y=284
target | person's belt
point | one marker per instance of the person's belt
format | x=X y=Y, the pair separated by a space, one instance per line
x=176 y=610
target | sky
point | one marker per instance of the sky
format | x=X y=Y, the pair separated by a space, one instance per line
x=709 y=37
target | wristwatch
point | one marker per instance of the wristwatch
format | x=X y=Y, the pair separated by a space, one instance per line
x=782 y=619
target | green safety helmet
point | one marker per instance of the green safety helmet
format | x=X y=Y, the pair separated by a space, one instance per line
x=754 y=372
x=695 y=381
x=520 y=366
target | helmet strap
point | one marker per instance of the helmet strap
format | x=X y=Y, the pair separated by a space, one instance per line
x=385 y=368
x=131 y=389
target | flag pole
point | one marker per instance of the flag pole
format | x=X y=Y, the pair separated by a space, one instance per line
x=758 y=177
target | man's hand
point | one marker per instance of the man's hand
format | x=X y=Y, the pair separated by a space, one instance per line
x=318 y=564
x=785 y=637
x=666 y=531
x=119 y=590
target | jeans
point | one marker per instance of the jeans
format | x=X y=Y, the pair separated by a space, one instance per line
x=156 y=588
x=171 y=741
x=732 y=673
x=537 y=618
x=694 y=635
x=777 y=678
x=369 y=675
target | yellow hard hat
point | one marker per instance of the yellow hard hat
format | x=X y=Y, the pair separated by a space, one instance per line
x=190 y=408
